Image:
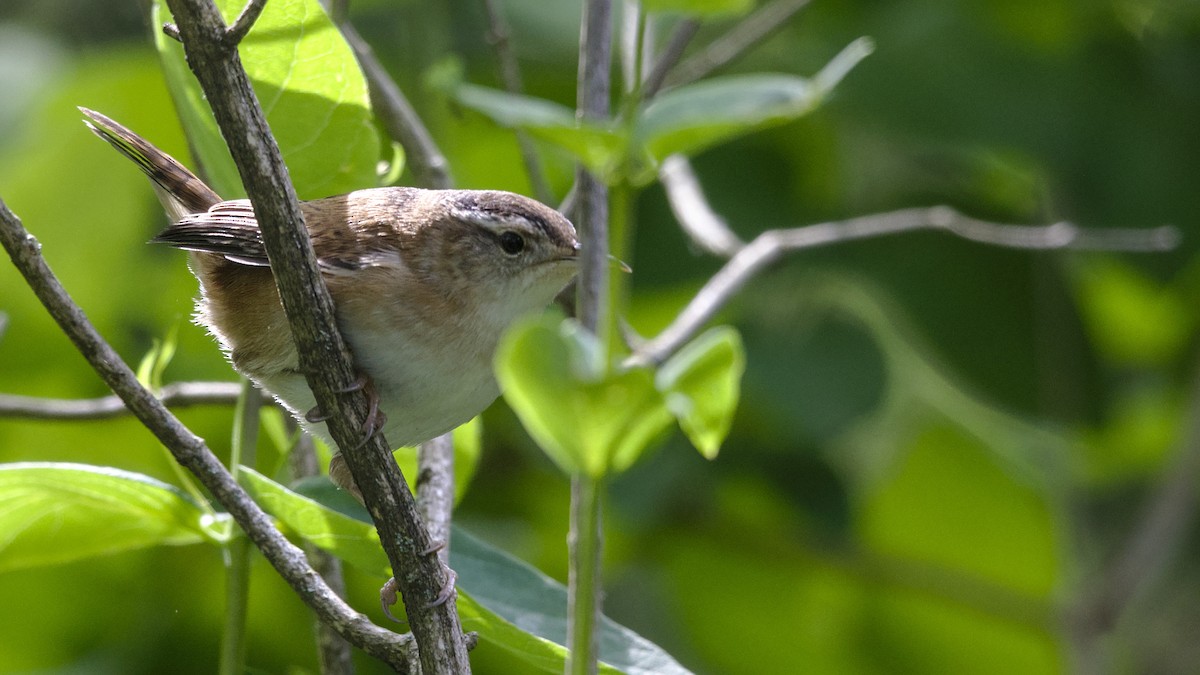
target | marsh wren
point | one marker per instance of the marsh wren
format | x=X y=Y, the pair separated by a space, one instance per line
x=424 y=283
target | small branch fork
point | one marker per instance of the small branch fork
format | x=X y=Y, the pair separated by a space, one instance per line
x=710 y=232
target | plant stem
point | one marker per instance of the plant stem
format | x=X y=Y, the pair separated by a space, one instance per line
x=237 y=551
x=583 y=587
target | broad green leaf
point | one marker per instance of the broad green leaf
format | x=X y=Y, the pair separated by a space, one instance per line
x=598 y=147
x=584 y=417
x=697 y=116
x=510 y=604
x=712 y=8
x=525 y=612
x=54 y=513
x=311 y=89
x=702 y=383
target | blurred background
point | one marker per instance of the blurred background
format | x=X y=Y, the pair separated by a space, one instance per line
x=949 y=457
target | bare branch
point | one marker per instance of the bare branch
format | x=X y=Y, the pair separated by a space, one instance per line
x=175 y=395
x=771 y=245
x=399 y=119
x=707 y=229
x=241 y=26
x=191 y=452
x=745 y=35
x=435 y=489
x=680 y=39
x=324 y=358
x=510 y=75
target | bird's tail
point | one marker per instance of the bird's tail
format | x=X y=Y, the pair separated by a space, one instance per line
x=180 y=191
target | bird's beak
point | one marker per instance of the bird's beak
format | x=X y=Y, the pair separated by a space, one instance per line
x=612 y=259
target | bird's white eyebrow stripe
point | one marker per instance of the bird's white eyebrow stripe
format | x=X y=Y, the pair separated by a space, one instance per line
x=495 y=220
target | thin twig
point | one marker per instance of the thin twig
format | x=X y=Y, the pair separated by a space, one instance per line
x=510 y=75
x=745 y=35
x=771 y=245
x=671 y=53
x=191 y=452
x=244 y=22
x=685 y=195
x=435 y=489
x=175 y=395
x=399 y=118
x=324 y=357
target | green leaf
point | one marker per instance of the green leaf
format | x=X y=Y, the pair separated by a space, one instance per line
x=694 y=117
x=54 y=513
x=523 y=611
x=152 y=366
x=709 y=8
x=598 y=147
x=350 y=539
x=311 y=89
x=702 y=384
x=510 y=604
x=585 y=417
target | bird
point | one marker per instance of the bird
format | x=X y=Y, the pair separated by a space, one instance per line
x=424 y=284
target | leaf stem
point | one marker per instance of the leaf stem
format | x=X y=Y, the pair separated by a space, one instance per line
x=237 y=551
x=583 y=587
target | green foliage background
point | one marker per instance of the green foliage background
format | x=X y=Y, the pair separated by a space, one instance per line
x=940 y=445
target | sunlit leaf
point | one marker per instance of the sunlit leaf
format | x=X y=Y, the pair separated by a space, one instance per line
x=54 y=513
x=311 y=89
x=584 y=417
x=702 y=384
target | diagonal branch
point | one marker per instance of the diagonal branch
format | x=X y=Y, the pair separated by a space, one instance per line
x=399 y=118
x=510 y=75
x=324 y=358
x=686 y=197
x=191 y=452
x=745 y=35
x=671 y=53
x=244 y=21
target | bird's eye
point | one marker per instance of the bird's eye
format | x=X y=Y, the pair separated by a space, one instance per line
x=512 y=243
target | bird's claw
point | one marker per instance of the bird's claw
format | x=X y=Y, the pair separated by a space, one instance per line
x=389 y=594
